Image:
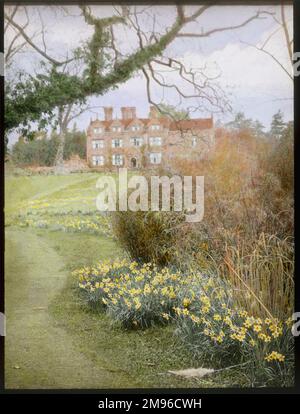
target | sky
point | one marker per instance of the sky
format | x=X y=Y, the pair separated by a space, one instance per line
x=251 y=80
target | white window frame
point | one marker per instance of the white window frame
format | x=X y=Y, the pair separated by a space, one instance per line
x=97 y=130
x=116 y=129
x=140 y=141
x=155 y=158
x=97 y=143
x=98 y=160
x=117 y=159
x=194 y=142
x=115 y=140
x=135 y=128
x=155 y=141
x=155 y=127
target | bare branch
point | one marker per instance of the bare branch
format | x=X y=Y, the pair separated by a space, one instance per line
x=273 y=57
x=286 y=34
x=289 y=42
x=31 y=43
x=226 y=28
x=11 y=16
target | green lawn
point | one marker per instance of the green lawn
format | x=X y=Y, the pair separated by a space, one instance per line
x=53 y=340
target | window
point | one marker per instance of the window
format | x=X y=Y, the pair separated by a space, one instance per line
x=155 y=157
x=116 y=129
x=98 y=160
x=97 y=143
x=117 y=143
x=117 y=159
x=194 y=142
x=97 y=130
x=155 y=141
x=137 y=142
x=135 y=128
x=155 y=127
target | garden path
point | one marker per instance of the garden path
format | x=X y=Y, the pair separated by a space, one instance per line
x=40 y=353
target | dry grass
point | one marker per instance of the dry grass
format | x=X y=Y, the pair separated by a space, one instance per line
x=263 y=279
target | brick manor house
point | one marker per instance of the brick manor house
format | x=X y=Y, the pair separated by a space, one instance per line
x=133 y=142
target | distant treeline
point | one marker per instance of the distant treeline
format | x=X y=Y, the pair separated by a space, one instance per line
x=42 y=149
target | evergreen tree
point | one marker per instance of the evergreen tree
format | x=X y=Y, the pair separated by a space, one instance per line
x=240 y=122
x=258 y=129
x=277 y=125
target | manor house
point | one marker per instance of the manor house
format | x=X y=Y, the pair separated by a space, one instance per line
x=134 y=142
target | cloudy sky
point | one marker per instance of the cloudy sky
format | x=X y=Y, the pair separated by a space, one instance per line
x=251 y=80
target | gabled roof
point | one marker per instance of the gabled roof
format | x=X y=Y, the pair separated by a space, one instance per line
x=188 y=124
x=183 y=125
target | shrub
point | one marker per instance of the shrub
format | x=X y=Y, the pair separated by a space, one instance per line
x=148 y=236
x=42 y=152
x=281 y=160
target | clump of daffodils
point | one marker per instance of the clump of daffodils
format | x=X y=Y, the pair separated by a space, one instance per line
x=275 y=356
x=138 y=295
x=202 y=306
x=73 y=214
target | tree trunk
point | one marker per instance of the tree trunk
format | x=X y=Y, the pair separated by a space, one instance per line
x=63 y=124
x=59 y=158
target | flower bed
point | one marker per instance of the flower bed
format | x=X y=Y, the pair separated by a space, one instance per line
x=202 y=308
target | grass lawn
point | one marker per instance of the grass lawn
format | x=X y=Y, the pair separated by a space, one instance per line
x=53 y=340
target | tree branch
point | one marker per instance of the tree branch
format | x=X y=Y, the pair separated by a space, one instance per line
x=32 y=44
x=286 y=33
x=226 y=28
x=42 y=95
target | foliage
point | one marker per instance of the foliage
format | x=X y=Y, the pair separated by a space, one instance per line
x=35 y=99
x=75 y=144
x=42 y=152
x=147 y=236
x=281 y=160
x=34 y=152
x=241 y=123
x=176 y=114
x=277 y=125
x=247 y=228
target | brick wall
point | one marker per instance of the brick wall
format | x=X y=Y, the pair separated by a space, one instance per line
x=192 y=139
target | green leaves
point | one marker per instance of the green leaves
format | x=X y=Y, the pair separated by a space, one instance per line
x=34 y=99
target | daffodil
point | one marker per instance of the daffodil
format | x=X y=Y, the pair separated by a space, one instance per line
x=275 y=356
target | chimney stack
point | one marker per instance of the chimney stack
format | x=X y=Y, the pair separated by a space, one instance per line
x=133 y=112
x=153 y=114
x=108 y=113
x=128 y=112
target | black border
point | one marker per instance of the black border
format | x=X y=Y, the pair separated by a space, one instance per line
x=2 y=200
x=137 y=394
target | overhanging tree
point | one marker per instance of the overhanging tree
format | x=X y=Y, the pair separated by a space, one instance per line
x=34 y=99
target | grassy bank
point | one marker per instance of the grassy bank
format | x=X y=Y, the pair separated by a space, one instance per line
x=53 y=339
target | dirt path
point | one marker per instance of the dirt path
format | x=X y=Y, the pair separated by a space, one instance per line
x=39 y=353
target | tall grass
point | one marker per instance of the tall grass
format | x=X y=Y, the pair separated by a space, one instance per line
x=263 y=279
